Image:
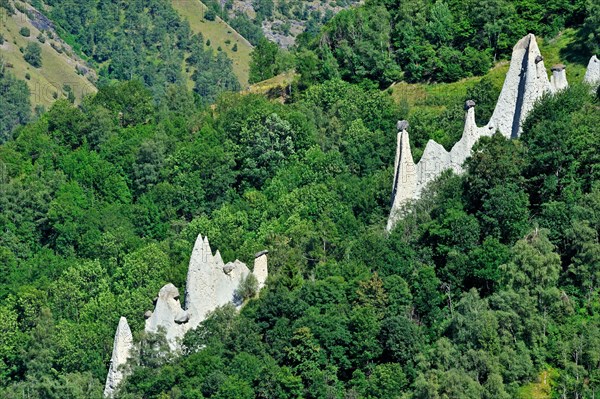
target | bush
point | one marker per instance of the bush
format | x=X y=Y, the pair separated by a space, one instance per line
x=27 y=76
x=41 y=38
x=210 y=15
x=6 y=4
x=33 y=55
x=24 y=31
x=1 y=39
x=234 y=48
x=248 y=288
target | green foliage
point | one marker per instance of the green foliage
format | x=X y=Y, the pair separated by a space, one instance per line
x=25 y=32
x=33 y=54
x=385 y=41
x=14 y=101
x=210 y=15
x=492 y=278
x=264 y=61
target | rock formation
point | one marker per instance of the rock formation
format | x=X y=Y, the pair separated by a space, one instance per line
x=169 y=315
x=260 y=268
x=558 y=80
x=122 y=347
x=592 y=75
x=210 y=284
x=526 y=82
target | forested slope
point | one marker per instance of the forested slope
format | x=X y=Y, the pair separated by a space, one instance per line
x=490 y=282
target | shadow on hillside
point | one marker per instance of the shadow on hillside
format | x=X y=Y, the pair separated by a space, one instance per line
x=576 y=51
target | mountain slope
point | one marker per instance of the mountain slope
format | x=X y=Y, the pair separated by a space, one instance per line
x=59 y=63
x=220 y=35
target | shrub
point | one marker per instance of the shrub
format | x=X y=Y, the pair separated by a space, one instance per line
x=24 y=31
x=248 y=288
x=33 y=55
x=234 y=48
x=210 y=15
x=27 y=76
x=41 y=38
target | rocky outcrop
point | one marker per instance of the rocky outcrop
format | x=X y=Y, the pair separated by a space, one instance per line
x=405 y=176
x=558 y=80
x=592 y=74
x=526 y=82
x=210 y=284
x=168 y=314
x=122 y=349
x=261 y=271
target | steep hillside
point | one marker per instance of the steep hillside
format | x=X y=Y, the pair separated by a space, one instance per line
x=435 y=110
x=60 y=65
x=220 y=34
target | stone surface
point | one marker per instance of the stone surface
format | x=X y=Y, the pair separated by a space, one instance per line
x=166 y=311
x=208 y=286
x=402 y=125
x=592 y=74
x=261 y=271
x=405 y=176
x=558 y=80
x=526 y=82
x=122 y=348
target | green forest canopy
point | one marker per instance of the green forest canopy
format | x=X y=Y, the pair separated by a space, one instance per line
x=491 y=280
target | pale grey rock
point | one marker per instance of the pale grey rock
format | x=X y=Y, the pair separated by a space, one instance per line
x=558 y=80
x=261 y=270
x=165 y=313
x=405 y=176
x=122 y=348
x=182 y=317
x=592 y=74
x=208 y=286
x=526 y=82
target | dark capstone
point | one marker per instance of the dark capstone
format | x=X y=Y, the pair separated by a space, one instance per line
x=182 y=318
x=402 y=125
x=228 y=268
x=261 y=253
x=558 y=68
x=469 y=104
x=539 y=59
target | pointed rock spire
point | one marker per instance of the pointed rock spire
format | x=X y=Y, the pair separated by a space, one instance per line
x=405 y=177
x=558 y=80
x=260 y=268
x=526 y=81
x=169 y=315
x=122 y=347
x=592 y=74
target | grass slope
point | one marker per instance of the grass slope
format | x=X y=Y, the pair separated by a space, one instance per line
x=58 y=69
x=436 y=96
x=218 y=32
